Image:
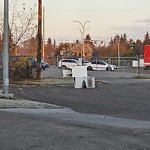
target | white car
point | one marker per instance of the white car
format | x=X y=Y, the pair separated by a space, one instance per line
x=100 y=65
x=67 y=63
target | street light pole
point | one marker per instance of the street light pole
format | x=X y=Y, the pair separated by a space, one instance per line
x=118 y=53
x=82 y=35
x=5 y=92
x=6 y=49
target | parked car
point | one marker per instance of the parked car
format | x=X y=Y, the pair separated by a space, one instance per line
x=100 y=65
x=44 y=65
x=67 y=63
x=86 y=63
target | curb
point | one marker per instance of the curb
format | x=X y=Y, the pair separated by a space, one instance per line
x=12 y=103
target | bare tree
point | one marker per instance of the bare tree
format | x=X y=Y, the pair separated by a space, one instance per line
x=1 y=21
x=22 y=22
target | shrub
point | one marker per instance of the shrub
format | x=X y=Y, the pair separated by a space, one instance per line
x=20 y=68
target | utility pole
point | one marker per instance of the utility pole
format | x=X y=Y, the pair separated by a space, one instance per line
x=43 y=32
x=39 y=39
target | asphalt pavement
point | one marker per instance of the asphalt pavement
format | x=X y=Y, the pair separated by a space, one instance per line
x=126 y=98
x=21 y=131
x=112 y=116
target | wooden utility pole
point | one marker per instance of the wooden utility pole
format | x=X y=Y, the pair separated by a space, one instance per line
x=43 y=33
x=39 y=49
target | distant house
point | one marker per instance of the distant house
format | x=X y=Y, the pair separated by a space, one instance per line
x=77 y=50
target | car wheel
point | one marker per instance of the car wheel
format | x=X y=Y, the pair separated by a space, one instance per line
x=84 y=84
x=89 y=68
x=109 y=69
x=63 y=67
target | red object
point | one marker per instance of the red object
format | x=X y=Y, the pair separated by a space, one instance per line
x=147 y=56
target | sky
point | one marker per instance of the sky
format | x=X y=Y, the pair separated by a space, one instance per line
x=107 y=18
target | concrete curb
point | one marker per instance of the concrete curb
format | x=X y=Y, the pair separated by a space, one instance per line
x=13 y=103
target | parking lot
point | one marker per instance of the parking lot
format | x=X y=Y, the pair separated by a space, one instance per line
x=112 y=116
x=115 y=95
x=121 y=72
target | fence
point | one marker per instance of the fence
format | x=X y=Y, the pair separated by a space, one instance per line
x=125 y=66
x=123 y=61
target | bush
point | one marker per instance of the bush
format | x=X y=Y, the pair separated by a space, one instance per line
x=20 y=68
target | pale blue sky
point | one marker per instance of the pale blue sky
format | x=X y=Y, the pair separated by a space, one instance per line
x=107 y=18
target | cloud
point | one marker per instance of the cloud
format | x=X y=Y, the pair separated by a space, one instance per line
x=147 y=20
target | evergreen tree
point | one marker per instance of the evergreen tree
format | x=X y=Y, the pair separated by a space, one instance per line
x=121 y=40
x=77 y=41
x=49 y=44
x=89 y=42
x=32 y=48
x=116 y=39
x=88 y=37
x=146 y=39
x=12 y=45
x=125 y=37
x=54 y=44
x=111 y=42
x=138 y=48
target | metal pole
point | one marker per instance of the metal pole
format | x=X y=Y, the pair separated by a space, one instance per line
x=83 y=54
x=118 y=54
x=83 y=30
x=82 y=41
x=83 y=26
x=6 y=49
x=138 y=68
x=39 y=39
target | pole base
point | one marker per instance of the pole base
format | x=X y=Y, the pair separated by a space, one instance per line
x=6 y=96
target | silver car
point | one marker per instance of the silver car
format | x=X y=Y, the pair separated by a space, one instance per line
x=100 y=65
x=67 y=63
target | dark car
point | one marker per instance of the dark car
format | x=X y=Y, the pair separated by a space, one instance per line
x=44 y=65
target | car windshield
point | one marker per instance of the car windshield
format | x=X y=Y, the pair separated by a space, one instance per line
x=69 y=60
x=98 y=62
